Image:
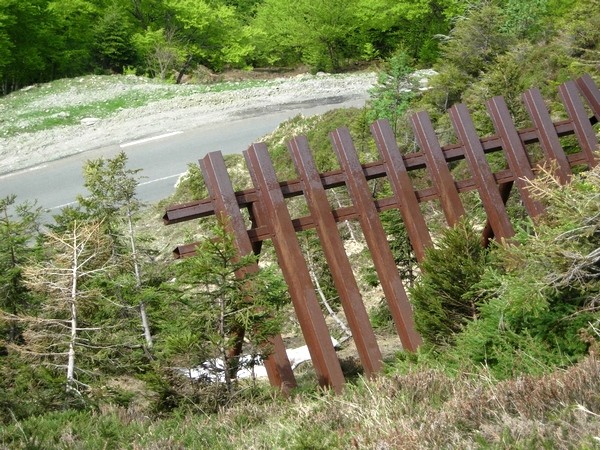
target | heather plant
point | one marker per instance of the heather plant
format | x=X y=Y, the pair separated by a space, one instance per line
x=542 y=292
x=419 y=409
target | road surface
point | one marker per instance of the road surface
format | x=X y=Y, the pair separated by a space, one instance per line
x=162 y=158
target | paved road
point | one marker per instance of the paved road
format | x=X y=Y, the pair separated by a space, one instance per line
x=162 y=158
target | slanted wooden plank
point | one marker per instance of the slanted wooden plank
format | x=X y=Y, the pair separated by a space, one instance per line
x=581 y=123
x=376 y=239
x=225 y=204
x=548 y=137
x=337 y=260
x=482 y=174
x=438 y=167
x=397 y=174
x=488 y=233
x=293 y=266
x=590 y=91
x=518 y=160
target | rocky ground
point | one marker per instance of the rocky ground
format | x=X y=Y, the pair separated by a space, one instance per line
x=185 y=109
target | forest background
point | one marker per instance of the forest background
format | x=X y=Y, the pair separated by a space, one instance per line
x=42 y=40
x=94 y=321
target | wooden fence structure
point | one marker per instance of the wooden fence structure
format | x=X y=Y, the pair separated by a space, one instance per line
x=271 y=219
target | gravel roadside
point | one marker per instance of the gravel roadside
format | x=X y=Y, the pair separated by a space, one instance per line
x=178 y=113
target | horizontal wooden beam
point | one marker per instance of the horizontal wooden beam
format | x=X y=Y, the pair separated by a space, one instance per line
x=413 y=161
x=385 y=204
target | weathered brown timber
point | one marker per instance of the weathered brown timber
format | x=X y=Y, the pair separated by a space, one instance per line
x=375 y=236
x=590 y=91
x=339 y=265
x=548 y=137
x=222 y=195
x=484 y=178
x=437 y=167
x=293 y=266
x=583 y=128
x=518 y=160
x=397 y=174
x=271 y=219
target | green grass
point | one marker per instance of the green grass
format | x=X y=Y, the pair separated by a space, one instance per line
x=420 y=409
x=46 y=106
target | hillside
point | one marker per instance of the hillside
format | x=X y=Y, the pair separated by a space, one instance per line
x=99 y=330
x=53 y=120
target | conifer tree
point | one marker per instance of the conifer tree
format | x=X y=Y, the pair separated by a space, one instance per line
x=59 y=332
x=113 y=200
x=214 y=303
x=18 y=232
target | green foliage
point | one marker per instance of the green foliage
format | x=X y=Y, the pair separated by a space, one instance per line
x=23 y=25
x=527 y=306
x=514 y=335
x=44 y=40
x=477 y=39
x=524 y=19
x=461 y=411
x=329 y=35
x=159 y=52
x=222 y=300
x=581 y=33
x=18 y=234
x=320 y=34
x=113 y=201
x=380 y=315
x=445 y=298
x=392 y=95
x=27 y=389
x=542 y=295
x=472 y=46
x=212 y=31
x=72 y=27
x=399 y=243
x=112 y=191
x=64 y=325
x=112 y=35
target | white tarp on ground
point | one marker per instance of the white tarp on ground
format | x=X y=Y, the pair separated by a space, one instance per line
x=251 y=367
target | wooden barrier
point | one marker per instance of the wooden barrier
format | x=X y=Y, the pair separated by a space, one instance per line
x=271 y=218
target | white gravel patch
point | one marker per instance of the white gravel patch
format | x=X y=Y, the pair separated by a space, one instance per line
x=180 y=113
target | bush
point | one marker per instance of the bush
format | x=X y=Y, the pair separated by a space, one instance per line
x=444 y=298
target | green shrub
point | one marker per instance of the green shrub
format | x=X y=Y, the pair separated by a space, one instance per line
x=444 y=298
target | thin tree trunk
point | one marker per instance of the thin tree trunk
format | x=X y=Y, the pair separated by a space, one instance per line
x=223 y=348
x=71 y=354
x=184 y=69
x=146 y=325
x=138 y=282
x=328 y=307
x=346 y=222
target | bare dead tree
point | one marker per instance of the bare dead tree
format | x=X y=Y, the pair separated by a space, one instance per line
x=56 y=336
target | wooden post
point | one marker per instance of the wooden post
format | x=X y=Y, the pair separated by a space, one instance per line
x=374 y=233
x=339 y=265
x=293 y=266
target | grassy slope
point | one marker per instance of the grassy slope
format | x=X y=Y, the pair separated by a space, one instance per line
x=431 y=408
x=425 y=409
x=67 y=101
